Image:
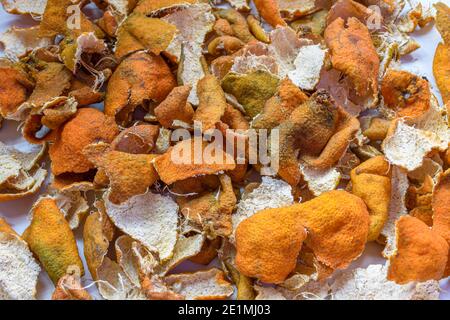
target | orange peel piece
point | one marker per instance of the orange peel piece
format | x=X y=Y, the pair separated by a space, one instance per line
x=371 y=182
x=129 y=174
x=20 y=41
x=88 y=125
x=405 y=93
x=98 y=232
x=141 y=76
x=139 y=32
x=268 y=244
x=279 y=108
x=14 y=88
x=36 y=7
x=140 y=139
x=441 y=210
x=212 y=102
x=175 y=108
x=212 y=211
x=171 y=170
x=441 y=70
x=51 y=240
x=270 y=11
x=421 y=254
x=353 y=53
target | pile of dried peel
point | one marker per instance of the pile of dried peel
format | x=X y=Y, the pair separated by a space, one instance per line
x=363 y=149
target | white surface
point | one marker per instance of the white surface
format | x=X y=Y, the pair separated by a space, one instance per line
x=17 y=212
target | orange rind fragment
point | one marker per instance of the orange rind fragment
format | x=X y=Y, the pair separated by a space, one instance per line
x=378 y=129
x=19 y=271
x=321 y=131
x=20 y=172
x=139 y=139
x=69 y=288
x=140 y=77
x=212 y=211
x=257 y=30
x=193 y=23
x=97 y=234
x=238 y=24
x=61 y=16
x=346 y=9
x=51 y=240
x=268 y=244
x=224 y=45
x=441 y=210
x=175 y=108
x=371 y=182
x=88 y=126
x=251 y=90
x=14 y=87
x=421 y=253
x=212 y=103
x=201 y=285
x=151 y=219
x=406 y=94
x=419 y=201
x=338 y=225
x=138 y=32
x=208 y=252
x=179 y=162
x=441 y=70
x=52 y=81
x=353 y=54
x=17 y=42
x=270 y=11
x=279 y=108
x=443 y=21
x=129 y=174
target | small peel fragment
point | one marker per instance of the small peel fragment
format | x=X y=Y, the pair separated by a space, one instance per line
x=320 y=181
x=35 y=7
x=201 y=285
x=420 y=255
x=150 y=218
x=308 y=64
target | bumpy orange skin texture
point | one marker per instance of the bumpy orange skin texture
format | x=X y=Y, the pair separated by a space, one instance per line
x=51 y=240
x=278 y=108
x=170 y=171
x=269 y=10
x=269 y=242
x=129 y=174
x=88 y=126
x=139 y=32
x=441 y=70
x=441 y=209
x=141 y=76
x=407 y=94
x=14 y=88
x=212 y=103
x=353 y=53
x=149 y=6
x=56 y=17
x=175 y=107
x=372 y=183
x=421 y=253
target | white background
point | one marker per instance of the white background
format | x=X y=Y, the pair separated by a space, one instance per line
x=17 y=212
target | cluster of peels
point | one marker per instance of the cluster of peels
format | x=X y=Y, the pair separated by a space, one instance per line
x=363 y=149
